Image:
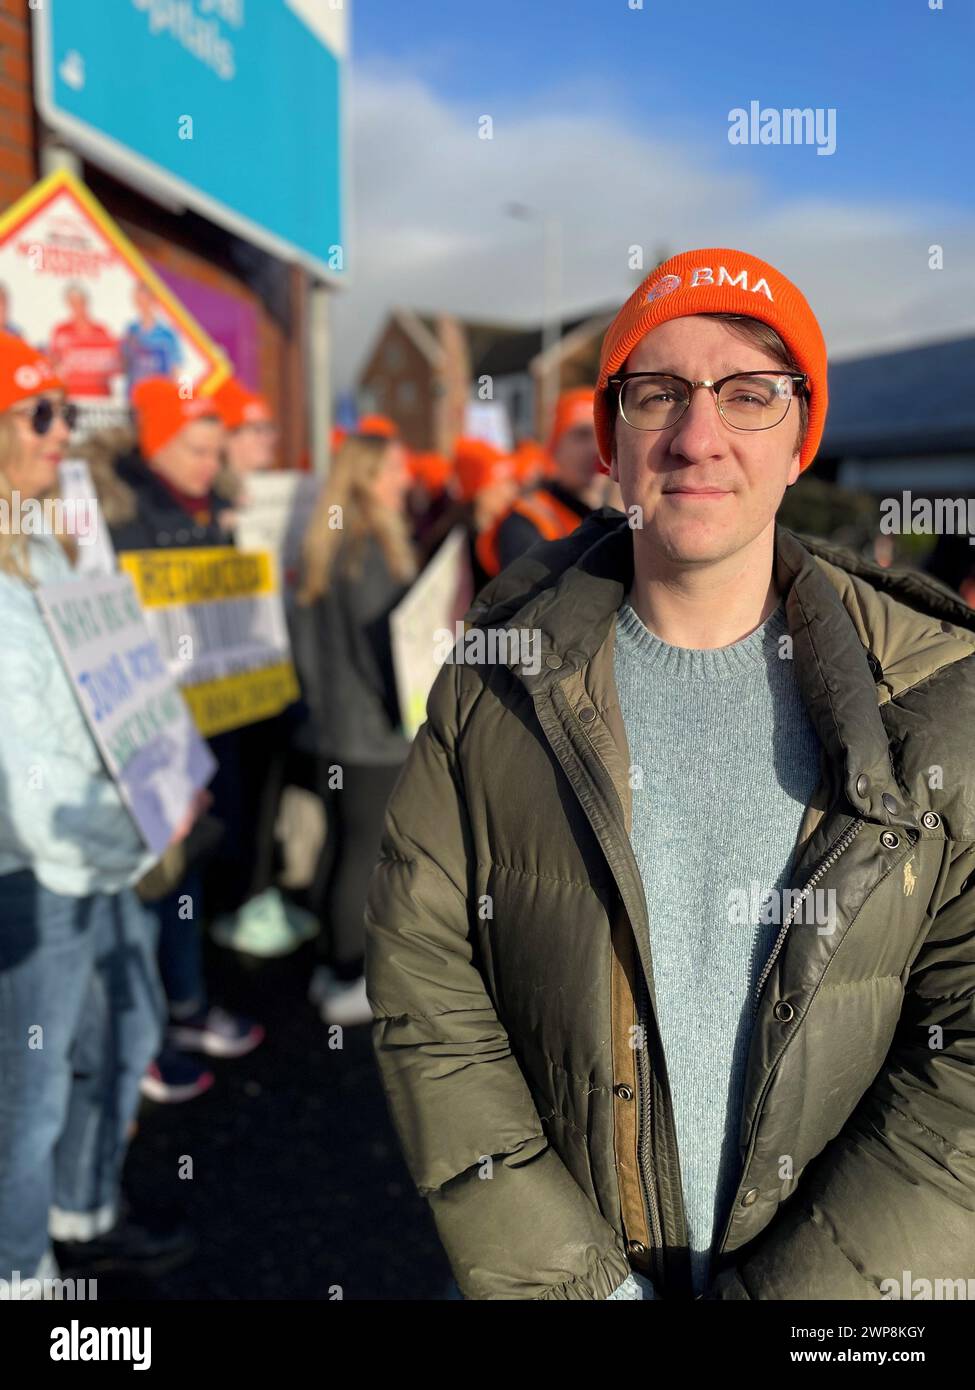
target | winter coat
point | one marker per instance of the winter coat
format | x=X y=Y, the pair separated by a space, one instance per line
x=510 y=974
x=158 y=521
x=344 y=658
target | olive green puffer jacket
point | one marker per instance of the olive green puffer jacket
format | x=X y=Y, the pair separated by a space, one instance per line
x=509 y=970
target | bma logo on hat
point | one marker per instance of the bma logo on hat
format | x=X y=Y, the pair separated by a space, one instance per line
x=659 y=288
x=28 y=377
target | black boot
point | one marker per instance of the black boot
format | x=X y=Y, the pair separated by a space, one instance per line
x=140 y=1241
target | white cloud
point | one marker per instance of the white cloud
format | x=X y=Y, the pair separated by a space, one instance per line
x=429 y=228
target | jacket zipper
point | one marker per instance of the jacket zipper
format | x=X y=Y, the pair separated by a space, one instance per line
x=644 y=1139
x=843 y=843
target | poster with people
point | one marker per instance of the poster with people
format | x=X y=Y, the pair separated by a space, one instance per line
x=75 y=287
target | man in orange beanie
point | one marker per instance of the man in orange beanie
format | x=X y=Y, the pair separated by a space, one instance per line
x=484 y=485
x=557 y=505
x=172 y=476
x=674 y=917
x=252 y=435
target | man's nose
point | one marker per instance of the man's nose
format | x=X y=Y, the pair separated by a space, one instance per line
x=699 y=434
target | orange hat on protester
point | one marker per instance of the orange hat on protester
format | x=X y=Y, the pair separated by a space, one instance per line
x=23 y=371
x=477 y=465
x=161 y=412
x=430 y=470
x=530 y=461
x=239 y=406
x=716 y=281
x=378 y=425
x=572 y=408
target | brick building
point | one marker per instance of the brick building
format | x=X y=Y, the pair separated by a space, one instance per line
x=424 y=368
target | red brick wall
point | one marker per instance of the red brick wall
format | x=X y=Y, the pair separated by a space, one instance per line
x=402 y=383
x=18 y=160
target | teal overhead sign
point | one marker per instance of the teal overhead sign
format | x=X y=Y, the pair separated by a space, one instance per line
x=232 y=107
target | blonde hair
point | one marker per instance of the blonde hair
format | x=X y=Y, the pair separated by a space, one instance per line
x=357 y=464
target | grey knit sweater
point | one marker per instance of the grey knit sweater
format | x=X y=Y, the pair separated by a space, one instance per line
x=724 y=760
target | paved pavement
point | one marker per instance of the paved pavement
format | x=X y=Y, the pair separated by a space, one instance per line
x=298 y=1185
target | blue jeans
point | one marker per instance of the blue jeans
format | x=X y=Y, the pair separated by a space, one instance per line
x=180 y=944
x=81 y=1014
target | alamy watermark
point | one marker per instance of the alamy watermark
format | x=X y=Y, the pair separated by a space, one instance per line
x=792 y=125
x=926 y=1290
x=50 y=516
x=815 y=908
x=928 y=516
x=68 y=1290
x=492 y=646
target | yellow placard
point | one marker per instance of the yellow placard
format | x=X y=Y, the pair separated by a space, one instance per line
x=242 y=699
x=198 y=575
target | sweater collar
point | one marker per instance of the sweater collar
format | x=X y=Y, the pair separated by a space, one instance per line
x=576 y=614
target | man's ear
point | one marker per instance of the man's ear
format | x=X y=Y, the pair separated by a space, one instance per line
x=794 y=469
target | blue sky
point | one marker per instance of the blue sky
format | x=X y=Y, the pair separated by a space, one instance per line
x=900 y=76
x=613 y=124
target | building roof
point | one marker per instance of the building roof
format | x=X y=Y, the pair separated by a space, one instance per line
x=501 y=349
x=916 y=400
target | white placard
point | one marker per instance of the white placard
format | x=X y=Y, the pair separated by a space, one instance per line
x=139 y=718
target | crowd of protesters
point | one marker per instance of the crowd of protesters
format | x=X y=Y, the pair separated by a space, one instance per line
x=103 y=990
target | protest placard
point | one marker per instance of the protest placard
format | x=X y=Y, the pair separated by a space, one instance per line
x=96 y=554
x=219 y=620
x=274 y=514
x=139 y=719
x=419 y=622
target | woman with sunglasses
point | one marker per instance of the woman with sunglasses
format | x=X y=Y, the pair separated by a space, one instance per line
x=80 y=1002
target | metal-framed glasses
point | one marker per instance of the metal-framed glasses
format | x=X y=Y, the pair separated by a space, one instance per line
x=746 y=400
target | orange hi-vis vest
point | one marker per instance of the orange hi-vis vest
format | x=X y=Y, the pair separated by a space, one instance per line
x=551 y=518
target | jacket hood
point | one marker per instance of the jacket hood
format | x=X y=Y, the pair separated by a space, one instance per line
x=862 y=635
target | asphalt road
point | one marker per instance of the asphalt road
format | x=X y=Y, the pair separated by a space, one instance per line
x=297 y=1181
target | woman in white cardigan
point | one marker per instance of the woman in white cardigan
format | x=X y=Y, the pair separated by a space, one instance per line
x=80 y=1003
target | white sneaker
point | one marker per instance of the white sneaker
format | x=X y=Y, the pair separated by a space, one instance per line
x=346 y=1003
x=322 y=980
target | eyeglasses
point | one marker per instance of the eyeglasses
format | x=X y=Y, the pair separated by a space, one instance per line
x=747 y=400
x=41 y=416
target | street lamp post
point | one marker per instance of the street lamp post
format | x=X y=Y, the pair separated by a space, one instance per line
x=551 y=296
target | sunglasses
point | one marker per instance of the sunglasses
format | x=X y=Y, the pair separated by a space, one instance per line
x=41 y=416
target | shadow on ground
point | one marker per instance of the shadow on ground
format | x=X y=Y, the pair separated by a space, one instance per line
x=297 y=1181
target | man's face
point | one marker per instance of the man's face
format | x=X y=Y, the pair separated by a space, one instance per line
x=77 y=304
x=190 y=461
x=250 y=448
x=577 y=457
x=706 y=489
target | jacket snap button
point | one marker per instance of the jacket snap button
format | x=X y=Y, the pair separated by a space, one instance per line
x=553 y=662
x=890 y=802
x=750 y=1197
x=783 y=1011
x=623 y=1092
x=889 y=840
x=947 y=627
x=587 y=715
x=930 y=820
x=863 y=784
x=636 y=1247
